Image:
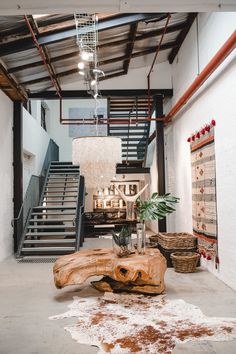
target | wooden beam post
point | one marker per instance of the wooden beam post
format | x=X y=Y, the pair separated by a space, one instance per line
x=18 y=171
x=158 y=99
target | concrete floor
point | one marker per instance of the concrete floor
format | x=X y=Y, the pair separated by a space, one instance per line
x=28 y=297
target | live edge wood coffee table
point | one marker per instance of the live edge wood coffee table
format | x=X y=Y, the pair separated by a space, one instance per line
x=135 y=273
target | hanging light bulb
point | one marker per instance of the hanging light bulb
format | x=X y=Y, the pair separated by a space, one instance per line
x=82 y=73
x=93 y=82
x=86 y=55
x=81 y=65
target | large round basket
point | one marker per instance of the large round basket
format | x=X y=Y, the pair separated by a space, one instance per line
x=185 y=262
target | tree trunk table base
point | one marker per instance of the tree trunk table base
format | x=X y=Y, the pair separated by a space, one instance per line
x=135 y=273
x=107 y=284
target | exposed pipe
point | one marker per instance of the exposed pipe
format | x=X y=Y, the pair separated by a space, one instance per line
x=88 y=121
x=47 y=66
x=218 y=58
x=153 y=63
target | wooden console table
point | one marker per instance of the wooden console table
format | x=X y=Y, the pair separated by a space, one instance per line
x=136 y=273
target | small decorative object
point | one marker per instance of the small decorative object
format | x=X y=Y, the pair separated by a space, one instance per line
x=185 y=262
x=122 y=244
x=155 y=208
x=129 y=201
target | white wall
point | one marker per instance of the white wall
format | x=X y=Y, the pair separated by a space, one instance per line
x=6 y=176
x=35 y=144
x=215 y=100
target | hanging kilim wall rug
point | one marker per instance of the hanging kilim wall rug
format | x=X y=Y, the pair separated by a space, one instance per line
x=204 y=213
x=127 y=324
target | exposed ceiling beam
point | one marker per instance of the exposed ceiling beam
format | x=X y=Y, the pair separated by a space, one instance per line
x=40 y=63
x=10 y=87
x=101 y=63
x=43 y=51
x=181 y=37
x=60 y=35
x=42 y=23
x=138 y=54
x=130 y=46
x=149 y=34
x=105 y=93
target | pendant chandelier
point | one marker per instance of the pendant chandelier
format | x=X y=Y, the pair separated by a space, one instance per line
x=97 y=157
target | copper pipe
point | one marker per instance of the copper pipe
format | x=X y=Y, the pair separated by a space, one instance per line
x=54 y=83
x=153 y=63
x=218 y=58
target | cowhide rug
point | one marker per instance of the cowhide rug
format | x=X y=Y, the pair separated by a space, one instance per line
x=139 y=324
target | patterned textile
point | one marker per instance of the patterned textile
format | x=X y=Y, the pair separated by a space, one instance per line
x=204 y=193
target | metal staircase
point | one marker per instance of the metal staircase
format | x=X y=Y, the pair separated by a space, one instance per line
x=54 y=227
x=134 y=136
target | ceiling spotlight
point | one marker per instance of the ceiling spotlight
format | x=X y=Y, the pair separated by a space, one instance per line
x=96 y=95
x=81 y=65
x=99 y=72
x=86 y=55
x=93 y=82
x=82 y=73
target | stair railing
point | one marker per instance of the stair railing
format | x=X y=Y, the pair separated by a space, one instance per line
x=30 y=200
x=80 y=213
x=44 y=185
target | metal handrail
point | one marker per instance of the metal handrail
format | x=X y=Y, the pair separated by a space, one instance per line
x=23 y=203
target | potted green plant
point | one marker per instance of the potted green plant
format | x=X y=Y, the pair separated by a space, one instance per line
x=122 y=242
x=157 y=207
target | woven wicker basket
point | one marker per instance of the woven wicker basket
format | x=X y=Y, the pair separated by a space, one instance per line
x=185 y=262
x=182 y=240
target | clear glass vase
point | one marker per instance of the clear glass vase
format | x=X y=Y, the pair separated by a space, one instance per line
x=141 y=238
x=123 y=249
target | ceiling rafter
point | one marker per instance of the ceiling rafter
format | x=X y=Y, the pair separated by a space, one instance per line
x=44 y=51
x=10 y=87
x=104 y=62
x=130 y=46
x=142 y=93
x=181 y=37
x=149 y=34
x=60 y=35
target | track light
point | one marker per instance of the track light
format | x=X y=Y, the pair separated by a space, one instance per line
x=99 y=72
x=93 y=82
x=81 y=65
x=82 y=73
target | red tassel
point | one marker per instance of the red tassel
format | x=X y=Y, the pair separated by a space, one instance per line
x=198 y=135
x=207 y=128
x=203 y=131
x=193 y=138
x=203 y=255
x=189 y=139
x=208 y=257
x=213 y=122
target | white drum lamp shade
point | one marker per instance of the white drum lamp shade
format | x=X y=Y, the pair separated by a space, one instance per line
x=97 y=158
